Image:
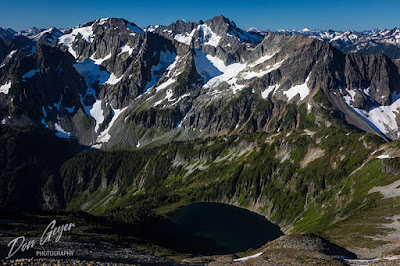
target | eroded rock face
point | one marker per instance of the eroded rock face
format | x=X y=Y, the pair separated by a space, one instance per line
x=113 y=83
x=376 y=72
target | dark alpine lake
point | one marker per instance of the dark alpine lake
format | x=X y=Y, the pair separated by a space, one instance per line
x=215 y=228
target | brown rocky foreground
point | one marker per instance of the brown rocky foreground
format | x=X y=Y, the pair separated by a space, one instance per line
x=301 y=249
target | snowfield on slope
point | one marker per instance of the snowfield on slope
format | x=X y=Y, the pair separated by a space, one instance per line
x=85 y=32
x=167 y=61
x=215 y=72
x=382 y=117
x=105 y=135
x=207 y=36
x=92 y=73
x=301 y=89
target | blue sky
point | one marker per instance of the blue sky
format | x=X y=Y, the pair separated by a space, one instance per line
x=266 y=14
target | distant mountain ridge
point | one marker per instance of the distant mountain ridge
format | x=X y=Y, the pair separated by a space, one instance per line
x=375 y=41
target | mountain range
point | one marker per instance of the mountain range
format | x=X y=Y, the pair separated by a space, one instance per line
x=122 y=122
x=109 y=83
x=367 y=42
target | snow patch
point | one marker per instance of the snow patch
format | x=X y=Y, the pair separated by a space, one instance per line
x=268 y=90
x=262 y=59
x=11 y=54
x=113 y=79
x=99 y=61
x=185 y=38
x=180 y=98
x=157 y=103
x=168 y=96
x=208 y=36
x=167 y=61
x=216 y=72
x=382 y=118
x=366 y=91
x=172 y=66
x=61 y=132
x=384 y=156
x=126 y=49
x=351 y=94
x=269 y=68
x=249 y=257
x=5 y=88
x=90 y=70
x=165 y=84
x=301 y=89
x=105 y=136
x=152 y=28
x=97 y=113
x=103 y=21
x=204 y=66
x=85 y=32
x=92 y=73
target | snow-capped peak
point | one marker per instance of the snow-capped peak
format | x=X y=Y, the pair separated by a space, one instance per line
x=305 y=30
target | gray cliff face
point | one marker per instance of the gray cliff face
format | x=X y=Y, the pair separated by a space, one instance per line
x=109 y=83
x=376 y=72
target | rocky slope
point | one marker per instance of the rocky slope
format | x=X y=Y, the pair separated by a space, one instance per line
x=99 y=246
x=111 y=84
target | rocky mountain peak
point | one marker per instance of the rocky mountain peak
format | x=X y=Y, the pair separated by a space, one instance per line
x=31 y=33
x=48 y=37
x=223 y=26
x=117 y=23
x=6 y=34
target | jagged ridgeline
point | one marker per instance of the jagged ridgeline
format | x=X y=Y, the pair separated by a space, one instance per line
x=367 y=42
x=111 y=84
